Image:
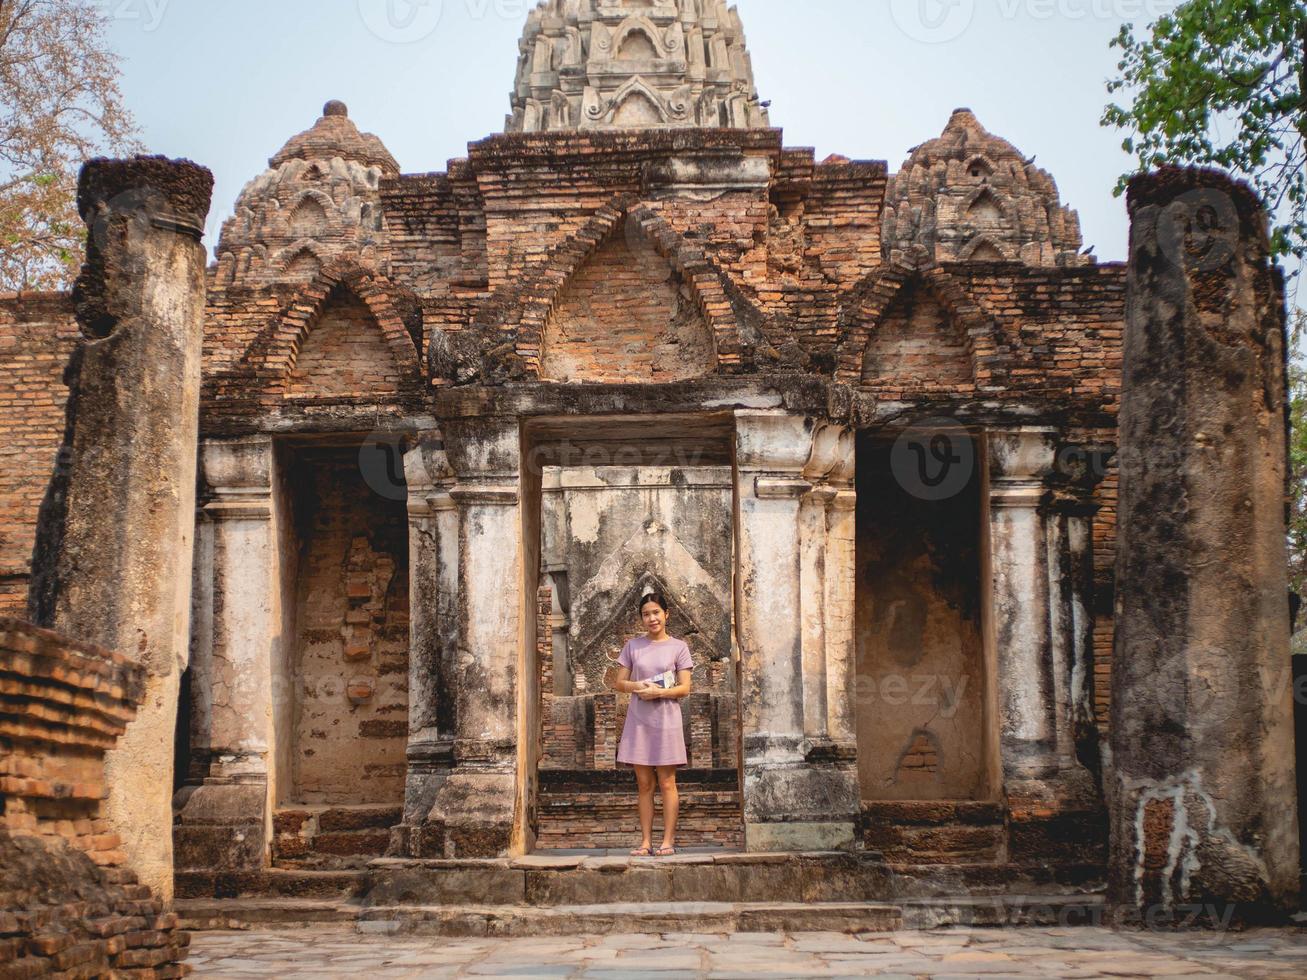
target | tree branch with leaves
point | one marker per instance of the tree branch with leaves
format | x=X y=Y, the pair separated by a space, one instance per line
x=1223 y=83
x=60 y=104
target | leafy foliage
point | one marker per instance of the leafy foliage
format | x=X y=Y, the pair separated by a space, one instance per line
x=1223 y=82
x=59 y=105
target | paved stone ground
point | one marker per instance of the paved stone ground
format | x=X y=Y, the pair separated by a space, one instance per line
x=988 y=954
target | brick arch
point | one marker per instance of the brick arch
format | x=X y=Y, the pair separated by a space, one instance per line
x=330 y=210
x=868 y=304
x=275 y=351
x=968 y=251
x=524 y=310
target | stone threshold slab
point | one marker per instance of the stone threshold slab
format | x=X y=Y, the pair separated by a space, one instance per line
x=648 y=917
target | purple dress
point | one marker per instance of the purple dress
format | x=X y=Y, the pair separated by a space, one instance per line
x=653 y=735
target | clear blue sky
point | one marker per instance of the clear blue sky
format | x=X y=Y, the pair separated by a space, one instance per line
x=227 y=82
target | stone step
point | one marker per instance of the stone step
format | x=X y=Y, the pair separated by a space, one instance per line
x=332 y=836
x=275 y=883
x=611 y=819
x=932 y=832
x=564 y=880
x=646 y=917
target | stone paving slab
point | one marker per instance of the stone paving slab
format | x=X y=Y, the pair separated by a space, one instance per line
x=951 y=954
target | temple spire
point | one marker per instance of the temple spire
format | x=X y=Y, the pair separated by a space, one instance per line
x=634 y=64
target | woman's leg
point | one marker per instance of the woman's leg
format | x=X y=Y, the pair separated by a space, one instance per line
x=671 y=804
x=646 y=779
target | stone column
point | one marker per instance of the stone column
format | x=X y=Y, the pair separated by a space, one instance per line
x=1033 y=752
x=791 y=802
x=112 y=563
x=432 y=522
x=475 y=809
x=830 y=586
x=225 y=823
x=1203 y=798
x=1071 y=584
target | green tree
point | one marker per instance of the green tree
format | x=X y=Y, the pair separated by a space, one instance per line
x=1223 y=82
x=59 y=105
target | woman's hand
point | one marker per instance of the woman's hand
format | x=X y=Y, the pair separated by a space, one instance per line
x=650 y=692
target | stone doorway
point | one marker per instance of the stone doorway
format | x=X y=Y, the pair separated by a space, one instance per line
x=625 y=508
x=348 y=728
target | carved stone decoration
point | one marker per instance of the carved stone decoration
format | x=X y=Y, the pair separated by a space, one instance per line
x=319 y=201
x=595 y=64
x=971 y=196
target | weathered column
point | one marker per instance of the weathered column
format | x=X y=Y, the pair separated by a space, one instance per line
x=829 y=595
x=1033 y=752
x=791 y=802
x=433 y=584
x=1203 y=800
x=249 y=691
x=475 y=808
x=1071 y=585
x=112 y=564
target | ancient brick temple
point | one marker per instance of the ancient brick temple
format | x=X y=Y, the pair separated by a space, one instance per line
x=858 y=425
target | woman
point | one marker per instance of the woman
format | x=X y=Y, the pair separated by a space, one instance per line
x=652 y=739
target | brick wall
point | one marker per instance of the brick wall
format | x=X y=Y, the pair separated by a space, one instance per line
x=37 y=336
x=68 y=906
x=626 y=316
x=351 y=670
x=345 y=353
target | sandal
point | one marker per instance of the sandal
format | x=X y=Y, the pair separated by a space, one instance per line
x=665 y=852
x=642 y=852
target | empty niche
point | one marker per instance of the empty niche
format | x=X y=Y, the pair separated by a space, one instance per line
x=303 y=266
x=345 y=353
x=985 y=210
x=637 y=46
x=917 y=341
x=626 y=316
x=309 y=219
x=637 y=111
x=986 y=251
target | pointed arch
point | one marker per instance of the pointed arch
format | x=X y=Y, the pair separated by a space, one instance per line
x=635 y=93
x=872 y=302
x=291 y=253
x=984 y=248
x=986 y=207
x=276 y=350
x=518 y=314
x=633 y=27
x=980 y=167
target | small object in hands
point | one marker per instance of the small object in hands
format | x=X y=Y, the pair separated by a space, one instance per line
x=666 y=681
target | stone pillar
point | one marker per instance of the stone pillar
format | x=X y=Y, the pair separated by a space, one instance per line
x=829 y=594
x=1202 y=801
x=793 y=799
x=1071 y=585
x=225 y=823
x=433 y=584
x=475 y=809
x=112 y=563
x=1036 y=748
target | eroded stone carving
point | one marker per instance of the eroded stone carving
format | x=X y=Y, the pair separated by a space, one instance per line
x=600 y=64
x=971 y=196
